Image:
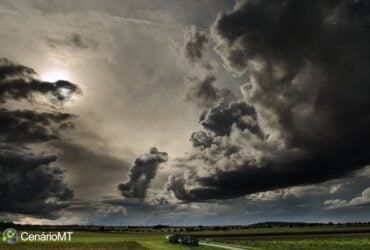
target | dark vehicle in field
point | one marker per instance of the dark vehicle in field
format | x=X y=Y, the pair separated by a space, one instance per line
x=173 y=238
x=183 y=239
x=189 y=240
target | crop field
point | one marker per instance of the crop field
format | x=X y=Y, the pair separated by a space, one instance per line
x=294 y=238
x=303 y=244
x=286 y=231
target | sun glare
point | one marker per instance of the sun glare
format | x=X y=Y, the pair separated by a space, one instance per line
x=53 y=76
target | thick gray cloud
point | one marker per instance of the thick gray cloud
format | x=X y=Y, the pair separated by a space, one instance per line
x=195 y=45
x=142 y=173
x=220 y=119
x=19 y=82
x=201 y=91
x=30 y=183
x=19 y=126
x=10 y=69
x=309 y=88
x=200 y=81
x=201 y=139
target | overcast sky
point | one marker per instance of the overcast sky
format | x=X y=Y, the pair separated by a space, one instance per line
x=180 y=112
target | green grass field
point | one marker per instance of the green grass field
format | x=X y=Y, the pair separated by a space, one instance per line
x=106 y=241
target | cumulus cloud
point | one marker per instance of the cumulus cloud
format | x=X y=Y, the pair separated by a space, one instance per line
x=30 y=183
x=200 y=81
x=221 y=119
x=195 y=45
x=309 y=88
x=365 y=172
x=201 y=91
x=363 y=200
x=296 y=192
x=335 y=188
x=142 y=173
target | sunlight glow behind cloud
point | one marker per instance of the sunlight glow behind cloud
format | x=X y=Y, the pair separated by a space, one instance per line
x=55 y=75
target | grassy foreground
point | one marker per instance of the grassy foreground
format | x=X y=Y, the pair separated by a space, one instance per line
x=75 y=246
x=105 y=241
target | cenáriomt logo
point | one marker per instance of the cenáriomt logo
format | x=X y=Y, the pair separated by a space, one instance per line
x=50 y=236
x=10 y=235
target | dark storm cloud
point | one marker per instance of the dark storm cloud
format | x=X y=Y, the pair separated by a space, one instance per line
x=19 y=82
x=9 y=69
x=30 y=184
x=142 y=173
x=20 y=126
x=201 y=90
x=201 y=139
x=220 y=119
x=308 y=62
